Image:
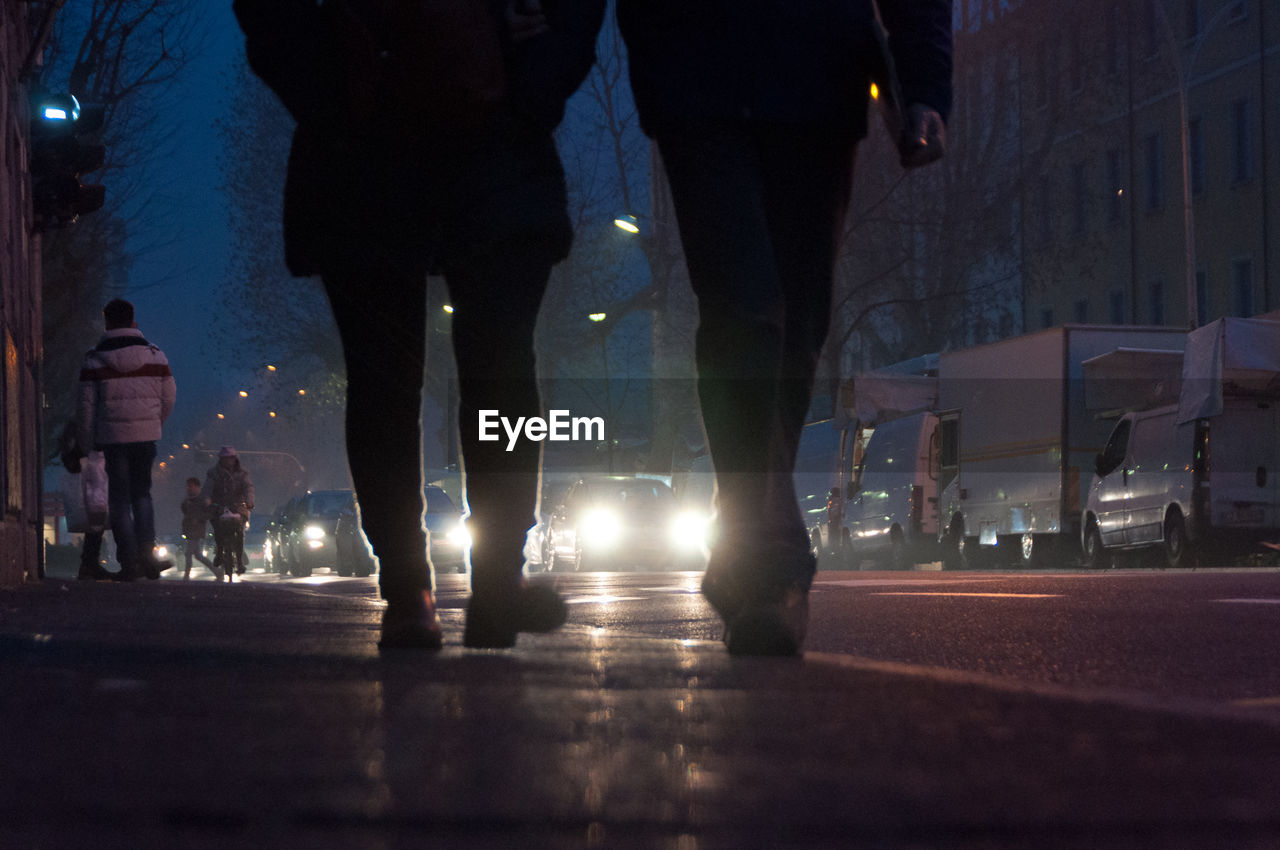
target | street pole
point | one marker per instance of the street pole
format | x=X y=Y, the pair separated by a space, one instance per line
x=1184 y=84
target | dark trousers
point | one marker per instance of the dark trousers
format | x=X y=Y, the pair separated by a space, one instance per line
x=133 y=522
x=380 y=312
x=761 y=214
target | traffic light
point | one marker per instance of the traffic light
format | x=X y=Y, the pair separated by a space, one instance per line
x=59 y=158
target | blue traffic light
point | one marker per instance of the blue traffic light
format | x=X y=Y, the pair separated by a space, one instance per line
x=58 y=159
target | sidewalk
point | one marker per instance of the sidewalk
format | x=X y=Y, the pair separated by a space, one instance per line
x=175 y=714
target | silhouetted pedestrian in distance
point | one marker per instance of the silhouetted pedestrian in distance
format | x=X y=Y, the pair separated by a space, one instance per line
x=126 y=394
x=195 y=522
x=424 y=141
x=757 y=110
x=228 y=491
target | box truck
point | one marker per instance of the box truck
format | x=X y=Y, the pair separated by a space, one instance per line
x=1015 y=439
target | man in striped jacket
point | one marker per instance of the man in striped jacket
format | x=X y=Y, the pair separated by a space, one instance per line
x=126 y=394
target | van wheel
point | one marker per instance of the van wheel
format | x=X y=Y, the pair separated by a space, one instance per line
x=1177 y=549
x=1036 y=551
x=1095 y=555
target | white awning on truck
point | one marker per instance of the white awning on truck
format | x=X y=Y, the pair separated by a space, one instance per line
x=1229 y=356
x=1132 y=379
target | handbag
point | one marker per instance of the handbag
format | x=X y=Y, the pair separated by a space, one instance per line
x=84 y=495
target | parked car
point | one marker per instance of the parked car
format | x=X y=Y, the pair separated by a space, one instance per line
x=307 y=543
x=351 y=546
x=442 y=518
x=274 y=531
x=622 y=520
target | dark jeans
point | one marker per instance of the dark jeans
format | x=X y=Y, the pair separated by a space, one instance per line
x=380 y=312
x=761 y=214
x=133 y=522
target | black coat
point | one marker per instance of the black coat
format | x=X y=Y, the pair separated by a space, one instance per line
x=787 y=61
x=455 y=193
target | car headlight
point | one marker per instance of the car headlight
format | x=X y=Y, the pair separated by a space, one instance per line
x=459 y=536
x=689 y=530
x=600 y=528
x=162 y=552
x=313 y=532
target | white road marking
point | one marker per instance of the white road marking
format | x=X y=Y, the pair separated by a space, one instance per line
x=894 y=582
x=986 y=595
x=602 y=600
x=1250 y=601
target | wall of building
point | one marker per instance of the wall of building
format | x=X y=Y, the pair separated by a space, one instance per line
x=20 y=321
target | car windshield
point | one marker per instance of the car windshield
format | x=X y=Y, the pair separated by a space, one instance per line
x=438 y=502
x=327 y=504
x=634 y=495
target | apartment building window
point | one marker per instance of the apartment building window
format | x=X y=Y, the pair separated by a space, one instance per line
x=1155 y=302
x=1242 y=287
x=1202 y=296
x=1079 y=199
x=1195 y=144
x=1115 y=185
x=1191 y=17
x=1241 y=142
x=1081 y=311
x=1152 y=168
x=1046 y=317
x=1116 y=303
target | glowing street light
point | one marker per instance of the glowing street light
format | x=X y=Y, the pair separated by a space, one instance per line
x=448 y=308
x=627 y=222
x=597 y=317
x=244 y=394
x=270 y=368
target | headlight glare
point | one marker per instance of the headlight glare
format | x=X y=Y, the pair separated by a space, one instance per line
x=600 y=528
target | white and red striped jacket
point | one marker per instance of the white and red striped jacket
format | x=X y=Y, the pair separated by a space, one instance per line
x=126 y=390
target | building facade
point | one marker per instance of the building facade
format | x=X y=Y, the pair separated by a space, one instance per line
x=1096 y=92
x=20 y=320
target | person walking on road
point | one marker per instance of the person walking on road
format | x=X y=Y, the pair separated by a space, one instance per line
x=757 y=115
x=228 y=492
x=455 y=170
x=126 y=394
x=195 y=521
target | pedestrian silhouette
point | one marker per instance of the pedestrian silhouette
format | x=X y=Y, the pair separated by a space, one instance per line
x=228 y=492
x=195 y=522
x=757 y=114
x=424 y=142
x=126 y=394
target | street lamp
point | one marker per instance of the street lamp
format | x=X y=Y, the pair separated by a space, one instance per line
x=627 y=222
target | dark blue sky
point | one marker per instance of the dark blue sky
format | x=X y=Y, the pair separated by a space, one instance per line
x=175 y=284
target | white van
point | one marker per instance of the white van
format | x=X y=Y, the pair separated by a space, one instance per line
x=1181 y=486
x=892 y=512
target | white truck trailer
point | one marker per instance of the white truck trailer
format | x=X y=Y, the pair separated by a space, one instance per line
x=1015 y=440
